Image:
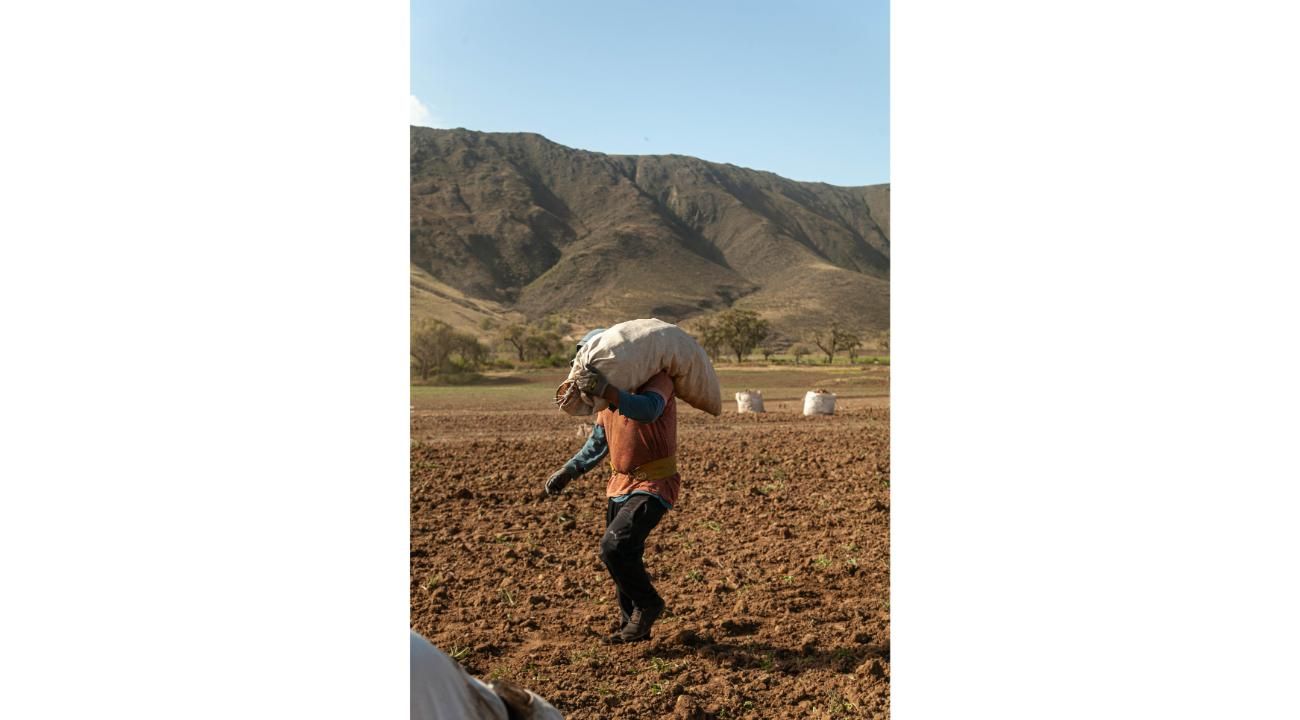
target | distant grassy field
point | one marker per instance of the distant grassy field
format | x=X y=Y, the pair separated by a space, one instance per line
x=535 y=388
x=789 y=382
x=820 y=359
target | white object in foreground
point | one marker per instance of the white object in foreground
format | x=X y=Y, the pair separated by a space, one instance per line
x=442 y=690
x=749 y=401
x=819 y=402
x=630 y=353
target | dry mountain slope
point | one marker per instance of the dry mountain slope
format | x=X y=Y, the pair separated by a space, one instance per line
x=520 y=223
x=433 y=299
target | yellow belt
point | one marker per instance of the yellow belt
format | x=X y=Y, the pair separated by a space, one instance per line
x=653 y=470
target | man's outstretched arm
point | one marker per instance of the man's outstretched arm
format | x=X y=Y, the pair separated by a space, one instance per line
x=592 y=451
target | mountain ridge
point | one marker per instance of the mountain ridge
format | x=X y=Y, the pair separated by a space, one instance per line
x=525 y=224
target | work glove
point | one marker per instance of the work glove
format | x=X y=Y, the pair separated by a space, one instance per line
x=558 y=480
x=590 y=381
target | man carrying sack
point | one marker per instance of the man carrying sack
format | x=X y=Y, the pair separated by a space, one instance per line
x=639 y=433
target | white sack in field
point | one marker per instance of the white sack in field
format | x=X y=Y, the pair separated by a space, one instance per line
x=630 y=353
x=749 y=401
x=819 y=402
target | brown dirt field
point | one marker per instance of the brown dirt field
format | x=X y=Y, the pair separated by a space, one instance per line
x=774 y=564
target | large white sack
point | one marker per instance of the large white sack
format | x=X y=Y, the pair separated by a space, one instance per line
x=819 y=402
x=749 y=401
x=630 y=353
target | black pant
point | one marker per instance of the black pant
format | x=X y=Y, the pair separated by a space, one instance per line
x=627 y=524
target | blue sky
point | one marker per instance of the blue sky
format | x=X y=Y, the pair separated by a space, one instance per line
x=797 y=88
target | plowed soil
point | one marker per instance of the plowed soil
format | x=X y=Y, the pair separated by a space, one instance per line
x=774 y=563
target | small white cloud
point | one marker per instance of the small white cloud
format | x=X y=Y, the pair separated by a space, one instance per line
x=421 y=115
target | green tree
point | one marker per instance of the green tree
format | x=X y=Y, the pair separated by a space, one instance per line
x=854 y=349
x=741 y=330
x=710 y=336
x=544 y=345
x=834 y=340
x=432 y=343
x=517 y=336
x=473 y=354
x=800 y=350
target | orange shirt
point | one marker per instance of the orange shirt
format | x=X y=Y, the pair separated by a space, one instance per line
x=632 y=443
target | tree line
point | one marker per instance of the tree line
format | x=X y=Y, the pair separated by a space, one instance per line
x=742 y=332
x=436 y=348
x=541 y=343
x=439 y=349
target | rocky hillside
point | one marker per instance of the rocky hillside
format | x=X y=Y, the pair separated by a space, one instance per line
x=514 y=224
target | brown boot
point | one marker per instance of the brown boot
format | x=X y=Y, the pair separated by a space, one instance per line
x=638 y=626
x=617 y=626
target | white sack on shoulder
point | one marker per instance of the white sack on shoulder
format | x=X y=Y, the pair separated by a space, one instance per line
x=630 y=353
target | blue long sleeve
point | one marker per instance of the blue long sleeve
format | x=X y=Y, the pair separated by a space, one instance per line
x=590 y=454
x=646 y=407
